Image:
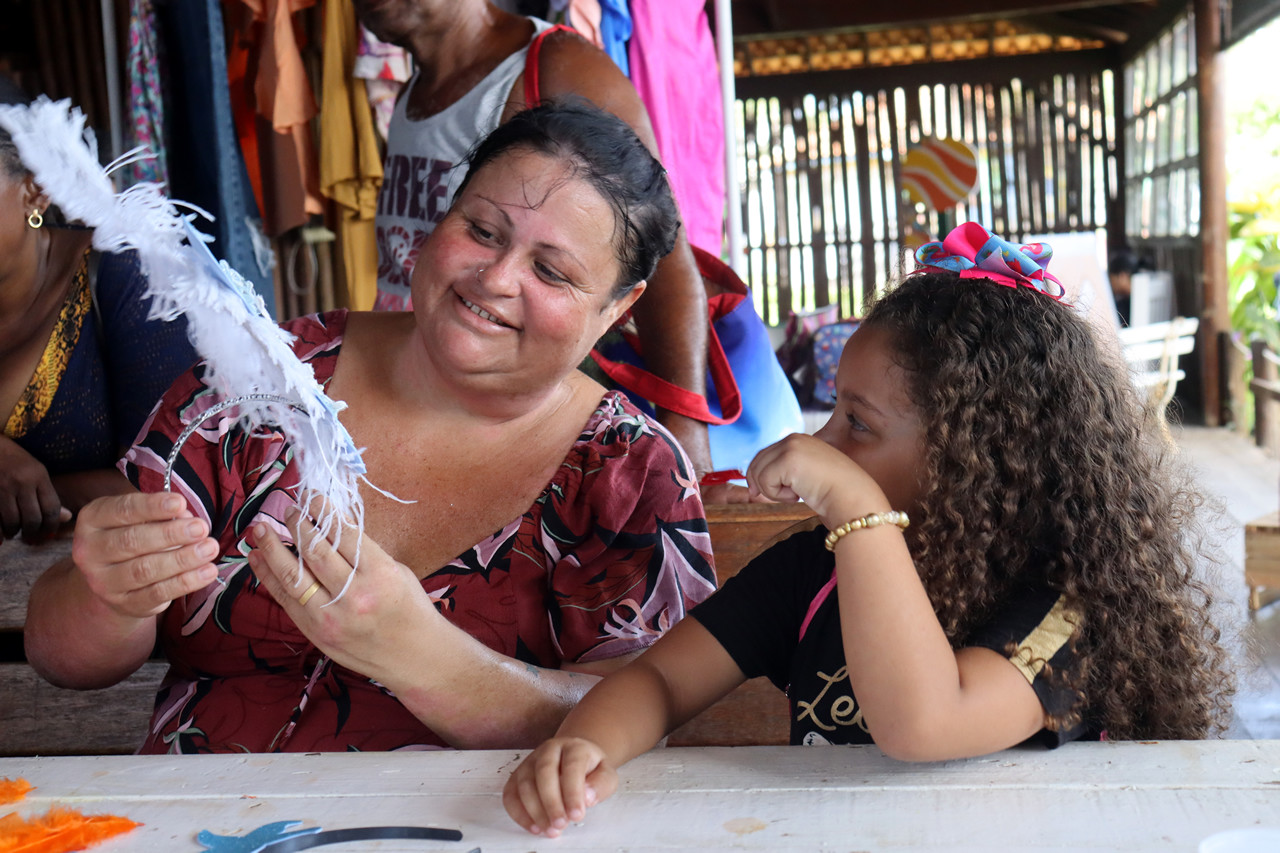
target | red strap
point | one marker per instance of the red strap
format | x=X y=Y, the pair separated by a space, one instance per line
x=532 y=97
x=717 y=478
x=672 y=397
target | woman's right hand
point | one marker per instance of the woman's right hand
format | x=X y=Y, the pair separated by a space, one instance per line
x=557 y=783
x=29 y=505
x=138 y=552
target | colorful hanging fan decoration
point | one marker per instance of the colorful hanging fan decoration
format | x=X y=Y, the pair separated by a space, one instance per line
x=938 y=173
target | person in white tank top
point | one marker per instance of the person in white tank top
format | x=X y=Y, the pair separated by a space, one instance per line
x=425 y=162
x=470 y=60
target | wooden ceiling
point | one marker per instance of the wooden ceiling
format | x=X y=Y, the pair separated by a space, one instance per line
x=1113 y=23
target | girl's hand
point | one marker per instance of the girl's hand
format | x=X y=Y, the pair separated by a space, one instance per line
x=805 y=468
x=138 y=552
x=367 y=628
x=556 y=784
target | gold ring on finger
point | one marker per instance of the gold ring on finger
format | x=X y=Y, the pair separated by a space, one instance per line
x=306 y=596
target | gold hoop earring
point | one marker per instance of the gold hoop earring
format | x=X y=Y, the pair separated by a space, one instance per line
x=36 y=219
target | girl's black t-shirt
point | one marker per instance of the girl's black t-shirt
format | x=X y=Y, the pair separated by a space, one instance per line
x=779 y=617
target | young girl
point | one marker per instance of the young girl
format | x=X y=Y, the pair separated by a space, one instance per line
x=1044 y=586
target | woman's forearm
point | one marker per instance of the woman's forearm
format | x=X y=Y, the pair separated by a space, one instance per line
x=74 y=640
x=475 y=698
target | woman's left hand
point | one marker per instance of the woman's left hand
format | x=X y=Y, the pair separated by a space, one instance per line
x=378 y=608
x=805 y=468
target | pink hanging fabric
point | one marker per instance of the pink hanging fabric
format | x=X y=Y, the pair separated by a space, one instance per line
x=673 y=67
x=584 y=16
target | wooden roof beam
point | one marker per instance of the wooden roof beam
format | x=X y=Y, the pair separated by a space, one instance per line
x=1062 y=25
x=779 y=16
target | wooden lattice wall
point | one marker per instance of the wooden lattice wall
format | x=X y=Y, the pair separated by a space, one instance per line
x=821 y=158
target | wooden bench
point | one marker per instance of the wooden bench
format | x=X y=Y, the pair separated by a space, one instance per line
x=756 y=714
x=1153 y=350
x=1262 y=556
x=37 y=718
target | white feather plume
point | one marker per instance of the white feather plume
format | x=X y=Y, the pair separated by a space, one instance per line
x=246 y=354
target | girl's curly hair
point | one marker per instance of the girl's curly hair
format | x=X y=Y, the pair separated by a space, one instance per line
x=1039 y=467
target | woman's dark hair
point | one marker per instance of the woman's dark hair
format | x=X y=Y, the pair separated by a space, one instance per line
x=1042 y=466
x=609 y=156
x=10 y=161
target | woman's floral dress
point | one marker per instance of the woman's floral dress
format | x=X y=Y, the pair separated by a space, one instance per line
x=609 y=556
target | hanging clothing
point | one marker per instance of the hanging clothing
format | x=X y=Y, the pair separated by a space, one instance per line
x=673 y=67
x=350 y=163
x=417 y=189
x=615 y=31
x=584 y=17
x=275 y=104
x=385 y=69
x=208 y=169
x=146 y=101
x=351 y=167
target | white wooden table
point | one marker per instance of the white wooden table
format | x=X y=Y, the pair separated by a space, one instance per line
x=1098 y=796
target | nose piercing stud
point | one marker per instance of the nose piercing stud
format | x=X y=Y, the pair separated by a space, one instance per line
x=478 y=274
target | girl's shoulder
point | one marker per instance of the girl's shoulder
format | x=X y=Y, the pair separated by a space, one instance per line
x=797 y=572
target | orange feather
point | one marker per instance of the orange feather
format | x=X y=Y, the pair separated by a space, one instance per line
x=12 y=790
x=58 y=830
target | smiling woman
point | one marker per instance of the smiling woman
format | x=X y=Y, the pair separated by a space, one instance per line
x=551 y=531
x=520 y=279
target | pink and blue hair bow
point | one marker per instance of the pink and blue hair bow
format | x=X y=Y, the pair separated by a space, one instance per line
x=974 y=252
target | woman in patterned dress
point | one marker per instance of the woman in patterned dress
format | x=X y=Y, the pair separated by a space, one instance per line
x=81 y=364
x=554 y=530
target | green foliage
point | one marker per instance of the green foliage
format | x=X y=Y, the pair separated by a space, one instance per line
x=1253 y=250
x=1253 y=247
x=1253 y=257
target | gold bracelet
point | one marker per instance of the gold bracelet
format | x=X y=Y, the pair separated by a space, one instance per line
x=874 y=519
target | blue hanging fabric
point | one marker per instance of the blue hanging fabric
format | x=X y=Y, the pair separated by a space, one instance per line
x=206 y=166
x=615 y=31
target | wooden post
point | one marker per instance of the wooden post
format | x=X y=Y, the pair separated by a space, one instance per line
x=1234 y=360
x=1266 y=398
x=1214 y=313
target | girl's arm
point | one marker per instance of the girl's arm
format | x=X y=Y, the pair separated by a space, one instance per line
x=921 y=699
x=624 y=715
